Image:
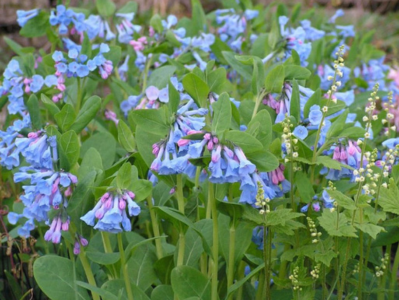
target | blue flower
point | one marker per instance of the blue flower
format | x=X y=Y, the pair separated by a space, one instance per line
x=24 y=16
x=300 y=132
x=315 y=115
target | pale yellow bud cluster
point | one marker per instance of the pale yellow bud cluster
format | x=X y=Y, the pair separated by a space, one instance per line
x=261 y=201
x=313 y=231
x=294 y=279
x=315 y=272
x=379 y=270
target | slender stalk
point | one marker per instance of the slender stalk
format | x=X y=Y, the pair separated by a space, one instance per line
x=383 y=281
x=180 y=253
x=215 y=250
x=79 y=96
x=88 y=272
x=257 y=103
x=261 y=287
x=267 y=235
x=361 y=257
x=343 y=278
x=230 y=269
x=72 y=258
x=179 y=193
x=180 y=203
x=124 y=268
x=394 y=276
x=108 y=249
x=106 y=242
x=155 y=227
x=241 y=270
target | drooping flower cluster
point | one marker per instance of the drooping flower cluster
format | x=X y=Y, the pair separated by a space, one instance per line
x=110 y=212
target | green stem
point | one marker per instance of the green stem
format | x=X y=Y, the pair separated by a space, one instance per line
x=88 y=272
x=79 y=96
x=241 y=270
x=106 y=242
x=361 y=256
x=108 y=249
x=72 y=258
x=343 y=278
x=383 y=282
x=155 y=227
x=261 y=287
x=394 y=274
x=257 y=103
x=267 y=235
x=215 y=250
x=180 y=254
x=124 y=268
x=283 y=265
x=230 y=269
x=179 y=193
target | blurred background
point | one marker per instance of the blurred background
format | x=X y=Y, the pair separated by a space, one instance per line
x=379 y=15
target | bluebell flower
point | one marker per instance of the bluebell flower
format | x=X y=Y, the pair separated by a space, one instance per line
x=24 y=16
x=110 y=212
x=312 y=34
x=315 y=115
x=300 y=132
x=338 y=13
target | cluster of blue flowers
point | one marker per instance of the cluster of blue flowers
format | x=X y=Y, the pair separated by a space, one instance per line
x=110 y=211
x=79 y=65
x=48 y=189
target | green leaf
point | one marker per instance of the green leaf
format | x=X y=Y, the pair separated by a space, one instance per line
x=103 y=258
x=352 y=133
x=304 y=187
x=150 y=120
x=97 y=141
x=241 y=282
x=140 y=267
x=275 y=80
x=103 y=293
x=156 y=23
x=244 y=140
x=370 y=229
x=221 y=114
x=129 y=7
x=231 y=209
x=328 y=162
x=342 y=200
x=174 y=98
x=218 y=47
x=34 y=112
x=55 y=284
x=124 y=177
x=274 y=35
x=91 y=162
x=87 y=113
x=15 y=47
x=125 y=137
x=69 y=144
x=160 y=77
x=162 y=292
x=258 y=76
x=295 y=105
x=242 y=69
x=196 y=88
x=65 y=117
x=265 y=132
x=296 y=72
x=389 y=197
x=188 y=282
x=216 y=80
x=264 y=160
x=198 y=17
x=336 y=225
x=180 y=221
x=106 y=8
x=79 y=203
x=338 y=125
x=36 y=26
x=50 y=105
x=114 y=54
